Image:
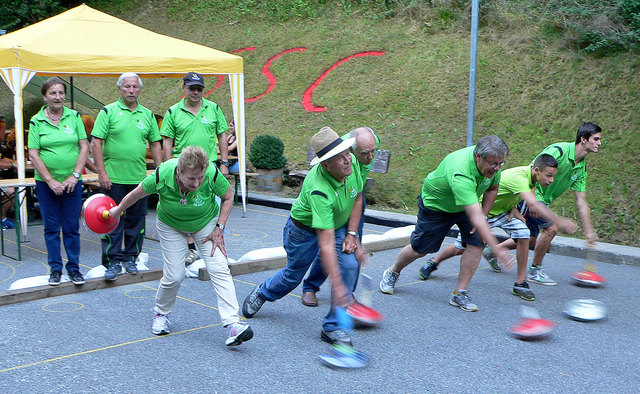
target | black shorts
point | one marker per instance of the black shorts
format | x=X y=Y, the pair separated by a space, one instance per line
x=534 y=224
x=433 y=226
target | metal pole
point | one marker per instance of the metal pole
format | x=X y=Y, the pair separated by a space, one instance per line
x=73 y=106
x=472 y=71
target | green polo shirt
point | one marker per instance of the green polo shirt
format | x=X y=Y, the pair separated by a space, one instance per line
x=125 y=134
x=570 y=174
x=58 y=145
x=456 y=183
x=324 y=202
x=513 y=181
x=364 y=169
x=201 y=206
x=201 y=130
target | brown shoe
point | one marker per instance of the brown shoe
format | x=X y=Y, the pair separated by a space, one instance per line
x=309 y=298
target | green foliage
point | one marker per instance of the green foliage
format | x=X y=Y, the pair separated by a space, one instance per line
x=16 y=14
x=266 y=151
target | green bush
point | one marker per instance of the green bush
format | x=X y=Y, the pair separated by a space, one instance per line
x=266 y=151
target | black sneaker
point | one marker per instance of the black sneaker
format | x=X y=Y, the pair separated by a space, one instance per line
x=130 y=267
x=427 y=269
x=112 y=272
x=54 y=278
x=337 y=336
x=76 y=277
x=523 y=291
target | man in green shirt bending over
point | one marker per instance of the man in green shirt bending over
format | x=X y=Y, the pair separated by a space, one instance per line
x=516 y=184
x=451 y=195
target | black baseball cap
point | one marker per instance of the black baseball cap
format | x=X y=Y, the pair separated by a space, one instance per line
x=193 y=78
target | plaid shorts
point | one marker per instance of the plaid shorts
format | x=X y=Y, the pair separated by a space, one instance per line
x=514 y=228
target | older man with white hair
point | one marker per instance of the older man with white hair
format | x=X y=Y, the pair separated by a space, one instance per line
x=319 y=223
x=119 y=146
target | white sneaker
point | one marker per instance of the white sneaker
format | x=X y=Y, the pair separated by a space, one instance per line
x=160 y=325
x=191 y=257
x=537 y=275
x=238 y=332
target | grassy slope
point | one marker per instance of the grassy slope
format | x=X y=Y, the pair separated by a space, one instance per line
x=415 y=97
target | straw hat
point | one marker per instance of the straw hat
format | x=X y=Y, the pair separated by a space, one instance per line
x=326 y=143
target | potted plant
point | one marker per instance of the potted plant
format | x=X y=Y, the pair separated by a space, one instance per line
x=266 y=155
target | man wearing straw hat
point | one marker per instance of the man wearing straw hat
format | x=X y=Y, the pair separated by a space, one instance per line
x=328 y=207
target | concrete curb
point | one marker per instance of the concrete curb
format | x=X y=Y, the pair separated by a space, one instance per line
x=564 y=246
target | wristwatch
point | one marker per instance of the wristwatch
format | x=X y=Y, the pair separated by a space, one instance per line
x=220 y=226
x=355 y=234
x=76 y=174
x=224 y=163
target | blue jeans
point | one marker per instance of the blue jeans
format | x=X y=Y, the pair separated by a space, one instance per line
x=57 y=212
x=302 y=248
x=131 y=227
x=317 y=276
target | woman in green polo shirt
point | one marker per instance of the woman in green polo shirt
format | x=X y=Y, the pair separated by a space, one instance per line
x=187 y=188
x=58 y=149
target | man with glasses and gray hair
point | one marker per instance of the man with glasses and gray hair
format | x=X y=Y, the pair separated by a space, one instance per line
x=451 y=195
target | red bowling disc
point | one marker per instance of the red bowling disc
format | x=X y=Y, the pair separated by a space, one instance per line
x=588 y=278
x=364 y=315
x=529 y=328
x=92 y=210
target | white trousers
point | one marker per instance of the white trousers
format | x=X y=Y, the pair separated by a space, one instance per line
x=174 y=251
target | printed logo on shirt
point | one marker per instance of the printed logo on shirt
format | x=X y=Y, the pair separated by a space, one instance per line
x=353 y=192
x=197 y=201
x=67 y=129
x=574 y=176
x=139 y=124
x=204 y=120
x=486 y=181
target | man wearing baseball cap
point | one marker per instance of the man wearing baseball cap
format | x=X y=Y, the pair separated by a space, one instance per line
x=327 y=209
x=195 y=120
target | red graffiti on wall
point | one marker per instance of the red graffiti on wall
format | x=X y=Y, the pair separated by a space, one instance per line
x=308 y=94
x=307 y=97
x=267 y=73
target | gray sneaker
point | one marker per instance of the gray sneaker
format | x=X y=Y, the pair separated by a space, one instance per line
x=237 y=333
x=462 y=300
x=427 y=269
x=337 y=336
x=191 y=257
x=252 y=303
x=523 y=291
x=112 y=272
x=492 y=260
x=388 y=282
x=537 y=275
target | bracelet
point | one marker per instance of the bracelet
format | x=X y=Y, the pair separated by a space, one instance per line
x=355 y=234
x=224 y=163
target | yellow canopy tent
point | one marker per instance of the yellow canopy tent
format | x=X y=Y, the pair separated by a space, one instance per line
x=86 y=42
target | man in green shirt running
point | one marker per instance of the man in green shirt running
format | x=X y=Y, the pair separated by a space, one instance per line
x=120 y=136
x=572 y=174
x=516 y=184
x=451 y=195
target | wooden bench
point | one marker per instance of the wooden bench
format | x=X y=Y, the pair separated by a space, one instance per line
x=380 y=166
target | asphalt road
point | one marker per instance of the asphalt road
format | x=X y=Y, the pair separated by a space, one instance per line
x=102 y=341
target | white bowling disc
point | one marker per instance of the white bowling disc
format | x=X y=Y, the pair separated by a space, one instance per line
x=584 y=309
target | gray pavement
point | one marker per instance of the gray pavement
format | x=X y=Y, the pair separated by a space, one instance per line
x=101 y=340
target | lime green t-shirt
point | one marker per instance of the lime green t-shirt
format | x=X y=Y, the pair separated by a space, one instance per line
x=364 y=168
x=200 y=207
x=324 y=202
x=125 y=133
x=513 y=181
x=456 y=183
x=201 y=130
x=570 y=174
x=58 y=145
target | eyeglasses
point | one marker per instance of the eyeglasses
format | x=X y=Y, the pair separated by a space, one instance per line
x=493 y=164
x=196 y=88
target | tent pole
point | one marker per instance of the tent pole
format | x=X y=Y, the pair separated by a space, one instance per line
x=71 y=95
x=472 y=71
